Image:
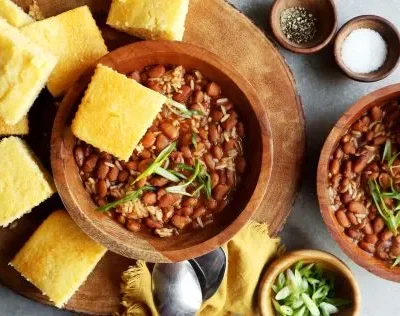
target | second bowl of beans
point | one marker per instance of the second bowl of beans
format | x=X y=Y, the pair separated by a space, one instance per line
x=359 y=182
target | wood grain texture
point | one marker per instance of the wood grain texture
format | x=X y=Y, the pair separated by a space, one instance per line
x=326 y=22
x=372 y=264
x=389 y=33
x=243 y=46
x=346 y=286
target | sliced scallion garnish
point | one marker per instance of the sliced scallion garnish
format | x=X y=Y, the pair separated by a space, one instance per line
x=163 y=155
x=305 y=290
x=130 y=197
x=166 y=174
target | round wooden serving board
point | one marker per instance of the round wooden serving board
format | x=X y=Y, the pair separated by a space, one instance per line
x=223 y=30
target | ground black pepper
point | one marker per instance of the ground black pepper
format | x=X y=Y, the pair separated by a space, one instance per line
x=298 y=25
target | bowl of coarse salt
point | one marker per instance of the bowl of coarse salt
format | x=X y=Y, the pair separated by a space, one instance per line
x=367 y=48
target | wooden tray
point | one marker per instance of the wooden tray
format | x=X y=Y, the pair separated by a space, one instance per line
x=220 y=28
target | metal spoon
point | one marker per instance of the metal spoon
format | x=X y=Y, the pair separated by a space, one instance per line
x=179 y=288
x=176 y=289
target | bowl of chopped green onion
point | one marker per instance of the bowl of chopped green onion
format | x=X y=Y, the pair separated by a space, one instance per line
x=309 y=282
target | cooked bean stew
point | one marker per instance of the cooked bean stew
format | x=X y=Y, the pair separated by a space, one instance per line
x=365 y=182
x=187 y=165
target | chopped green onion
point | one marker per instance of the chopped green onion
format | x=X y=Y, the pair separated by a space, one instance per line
x=130 y=197
x=163 y=155
x=194 y=140
x=305 y=290
x=396 y=262
x=166 y=174
x=181 y=189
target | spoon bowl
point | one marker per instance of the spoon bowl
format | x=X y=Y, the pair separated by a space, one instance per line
x=176 y=289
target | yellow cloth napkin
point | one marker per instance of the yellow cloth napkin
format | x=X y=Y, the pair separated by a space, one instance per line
x=248 y=252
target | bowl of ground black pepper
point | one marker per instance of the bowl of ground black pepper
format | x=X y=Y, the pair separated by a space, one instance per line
x=303 y=26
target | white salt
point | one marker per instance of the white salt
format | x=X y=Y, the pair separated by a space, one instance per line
x=364 y=51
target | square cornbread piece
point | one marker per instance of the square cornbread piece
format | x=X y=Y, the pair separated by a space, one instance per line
x=24 y=70
x=150 y=19
x=14 y=14
x=21 y=128
x=24 y=183
x=115 y=112
x=58 y=258
x=75 y=39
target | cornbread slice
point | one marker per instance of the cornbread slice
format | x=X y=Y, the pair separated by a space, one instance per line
x=21 y=128
x=24 y=70
x=115 y=112
x=75 y=39
x=58 y=258
x=14 y=14
x=24 y=184
x=150 y=19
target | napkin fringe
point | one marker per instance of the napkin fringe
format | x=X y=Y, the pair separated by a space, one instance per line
x=134 y=281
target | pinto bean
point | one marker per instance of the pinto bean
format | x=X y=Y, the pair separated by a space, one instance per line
x=357 y=207
x=157 y=71
x=189 y=202
x=335 y=165
x=167 y=200
x=154 y=85
x=102 y=170
x=214 y=179
x=213 y=90
x=211 y=204
x=186 y=211
x=161 y=142
x=230 y=178
x=101 y=188
x=180 y=221
x=123 y=176
x=90 y=163
x=213 y=133
x=218 y=152
x=113 y=174
x=199 y=212
x=342 y=218
x=148 y=140
x=169 y=130
x=79 y=156
x=133 y=226
x=221 y=191
x=152 y=223
x=197 y=97
x=371 y=239
x=378 y=225
x=158 y=181
x=370 y=248
x=216 y=115
x=229 y=123
x=182 y=96
x=210 y=163
x=149 y=198
x=132 y=165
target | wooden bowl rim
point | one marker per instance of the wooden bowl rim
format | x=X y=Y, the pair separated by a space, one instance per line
x=303 y=50
x=88 y=225
x=337 y=46
x=359 y=256
x=288 y=259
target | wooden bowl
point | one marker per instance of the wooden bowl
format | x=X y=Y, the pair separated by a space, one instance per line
x=325 y=13
x=372 y=264
x=346 y=286
x=144 y=245
x=389 y=33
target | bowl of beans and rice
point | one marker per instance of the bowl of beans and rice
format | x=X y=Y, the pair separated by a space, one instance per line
x=216 y=159
x=358 y=182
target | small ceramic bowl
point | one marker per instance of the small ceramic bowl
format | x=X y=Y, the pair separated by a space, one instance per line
x=346 y=286
x=389 y=33
x=374 y=265
x=144 y=245
x=325 y=13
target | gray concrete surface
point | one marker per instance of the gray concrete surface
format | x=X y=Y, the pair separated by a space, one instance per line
x=326 y=93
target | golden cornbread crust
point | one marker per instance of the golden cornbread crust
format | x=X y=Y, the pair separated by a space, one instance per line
x=115 y=112
x=21 y=128
x=75 y=39
x=24 y=70
x=14 y=14
x=24 y=183
x=151 y=19
x=58 y=258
